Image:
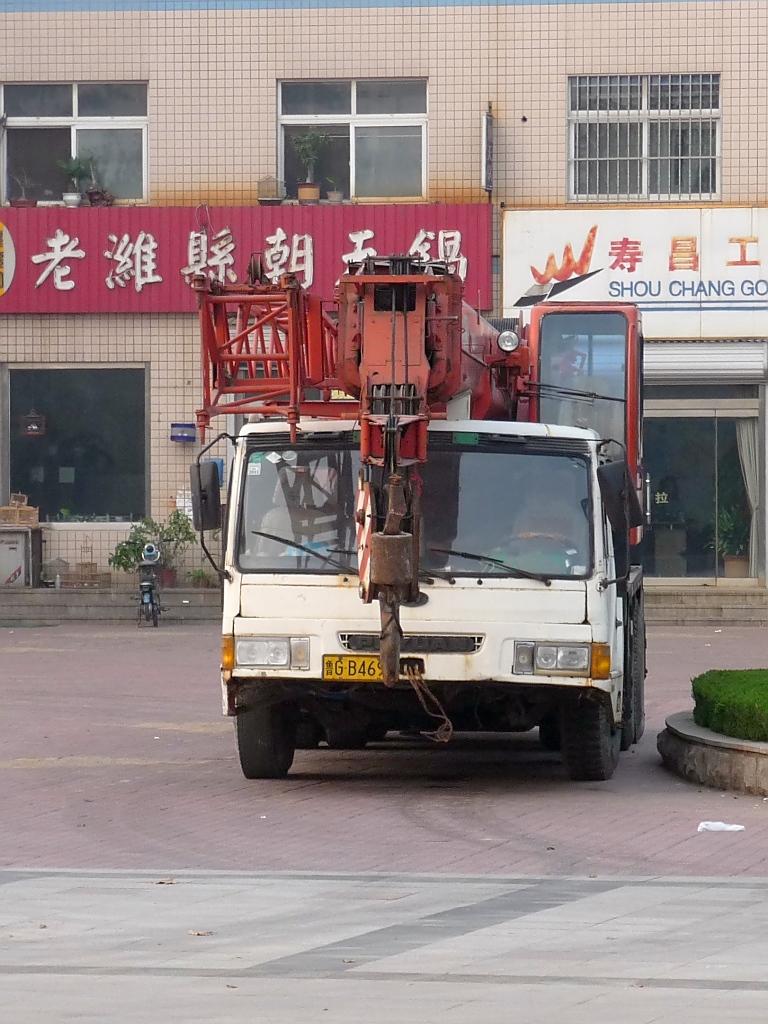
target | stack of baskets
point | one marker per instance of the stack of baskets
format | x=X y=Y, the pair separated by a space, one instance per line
x=19 y=513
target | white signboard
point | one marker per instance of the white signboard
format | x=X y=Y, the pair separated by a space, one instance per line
x=694 y=273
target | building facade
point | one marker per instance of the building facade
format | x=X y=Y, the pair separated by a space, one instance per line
x=616 y=148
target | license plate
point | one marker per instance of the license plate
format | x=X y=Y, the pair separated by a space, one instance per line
x=351 y=667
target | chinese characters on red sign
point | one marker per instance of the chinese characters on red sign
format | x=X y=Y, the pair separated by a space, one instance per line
x=95 y=261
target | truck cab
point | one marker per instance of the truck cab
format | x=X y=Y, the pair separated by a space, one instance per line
x=527 y=613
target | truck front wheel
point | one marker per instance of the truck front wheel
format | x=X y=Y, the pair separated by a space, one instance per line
x=590 y=743
x=266 y=741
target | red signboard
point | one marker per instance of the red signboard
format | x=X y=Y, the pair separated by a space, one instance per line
x=140 y=259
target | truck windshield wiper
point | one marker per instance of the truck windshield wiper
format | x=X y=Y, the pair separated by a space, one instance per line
x=424 y=574
x=303 y=547
x=511 y=569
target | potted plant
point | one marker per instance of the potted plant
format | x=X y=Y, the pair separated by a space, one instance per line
x=77 y=170
x=172 y=538
x=24 y=182
x=199 y=579
x=733 y=541
x=97 y=194
x=309 y=146
x=334 y=193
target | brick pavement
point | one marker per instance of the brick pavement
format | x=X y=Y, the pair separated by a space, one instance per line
x=114 y=755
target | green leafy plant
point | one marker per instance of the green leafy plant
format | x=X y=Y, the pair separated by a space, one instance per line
x=77 y=169
x=309 y=146
x=172 y=538
x=732 y=532
x=199 y=578
x=733 y=702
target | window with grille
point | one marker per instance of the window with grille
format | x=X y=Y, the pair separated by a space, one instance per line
x=370 y=136
x=644 y=136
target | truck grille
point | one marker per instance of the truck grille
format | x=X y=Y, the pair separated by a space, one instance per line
x=431 y=643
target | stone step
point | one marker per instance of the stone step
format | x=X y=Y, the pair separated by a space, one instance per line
x=47 y=605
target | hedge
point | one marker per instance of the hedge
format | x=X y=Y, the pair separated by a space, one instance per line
x=733 y=702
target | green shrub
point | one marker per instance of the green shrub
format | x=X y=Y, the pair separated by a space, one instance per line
x=733 y=702
x=172 y=538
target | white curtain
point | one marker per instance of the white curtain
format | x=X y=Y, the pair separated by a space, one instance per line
x=749 y=457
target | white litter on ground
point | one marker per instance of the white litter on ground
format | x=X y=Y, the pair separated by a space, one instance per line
x=718 y=826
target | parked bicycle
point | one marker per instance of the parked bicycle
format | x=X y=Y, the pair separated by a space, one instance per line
x=149 y=595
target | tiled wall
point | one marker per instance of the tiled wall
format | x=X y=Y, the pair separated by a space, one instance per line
x=212 y=78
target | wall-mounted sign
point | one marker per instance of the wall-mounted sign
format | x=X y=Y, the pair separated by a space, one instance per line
x=7 y=259
x=694 y=273
x=143 y=259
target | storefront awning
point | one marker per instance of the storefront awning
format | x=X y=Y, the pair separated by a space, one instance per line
x=733 y=361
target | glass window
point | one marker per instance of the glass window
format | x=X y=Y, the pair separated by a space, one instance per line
x=109 y=99
x=374 y=134
x=316 y=97
x=89 y=463
x=118 y=158
x=332 y=167
x=652 y=136
x=388 y=161
x=525 y=510
x=42 y=131
x=33 y=156
x=38 y=100
x=396 y=97
x=584 y=355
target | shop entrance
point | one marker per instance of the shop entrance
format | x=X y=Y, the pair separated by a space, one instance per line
x=704 y=470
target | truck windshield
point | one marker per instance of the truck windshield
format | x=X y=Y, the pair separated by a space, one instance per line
x=582 y=371
x=524 y=510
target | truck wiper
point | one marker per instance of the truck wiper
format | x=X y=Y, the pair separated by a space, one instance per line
x=303 y=547
x=511 y=569
x=424 y=574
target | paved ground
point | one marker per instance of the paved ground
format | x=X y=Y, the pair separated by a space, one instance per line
x=114 y=755
x=225 y=949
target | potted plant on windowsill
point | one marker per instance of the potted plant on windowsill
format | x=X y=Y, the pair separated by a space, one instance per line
x=334 y=194
x=97 y=194
x=24 y=182
x=309 y=146
x=733 y=542
x=77 y=170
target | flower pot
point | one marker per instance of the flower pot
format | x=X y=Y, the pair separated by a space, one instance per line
x=72 y=198
x=166 y=577
x=21 y=204
x=309 y=192
x=100 y=197
x=736 y=566
x=335 y=197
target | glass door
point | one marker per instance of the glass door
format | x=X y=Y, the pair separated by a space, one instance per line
x=700 y=514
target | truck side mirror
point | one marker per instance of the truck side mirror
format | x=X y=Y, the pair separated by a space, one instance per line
x=622 y=505
x=206 y=496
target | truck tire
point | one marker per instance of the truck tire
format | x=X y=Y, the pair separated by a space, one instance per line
x=266 y=741
x=590 y=743
x=638 y=667
x=633 y=726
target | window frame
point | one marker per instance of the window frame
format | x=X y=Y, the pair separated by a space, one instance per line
x=644 y=116
x=74 y=122
x=354 y=120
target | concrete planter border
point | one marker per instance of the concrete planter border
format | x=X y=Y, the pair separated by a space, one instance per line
x=711 y=759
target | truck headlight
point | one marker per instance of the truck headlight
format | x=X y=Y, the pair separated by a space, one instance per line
x=273 y=652
x=556 y=659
